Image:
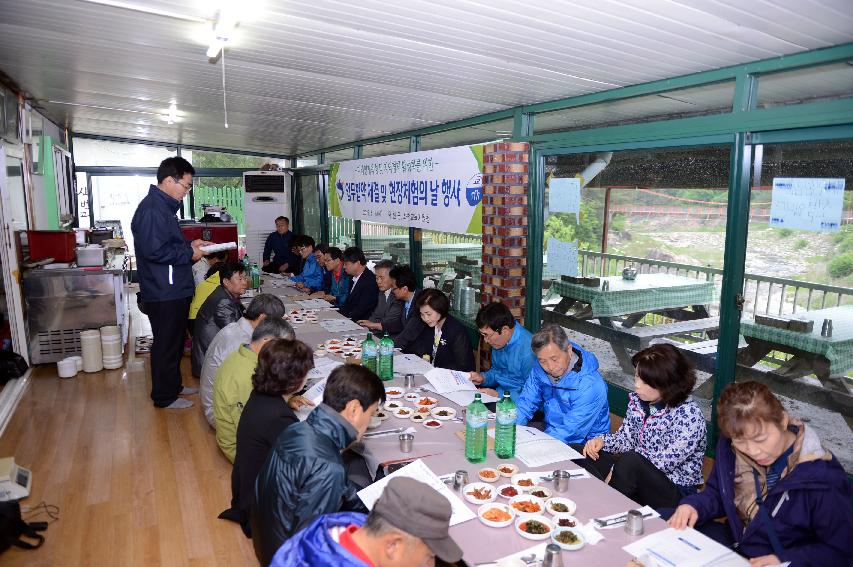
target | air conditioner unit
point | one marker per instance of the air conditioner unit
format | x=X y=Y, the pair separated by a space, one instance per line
x=267 y=196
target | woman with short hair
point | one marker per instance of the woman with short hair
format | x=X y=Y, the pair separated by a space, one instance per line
x=448 y=346
x=655 y=458
x=283 y=366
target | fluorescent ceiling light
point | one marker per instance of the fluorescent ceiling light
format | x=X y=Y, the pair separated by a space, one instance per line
x=226 y=21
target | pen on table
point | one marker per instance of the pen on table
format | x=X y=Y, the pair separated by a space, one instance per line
x=693 y=545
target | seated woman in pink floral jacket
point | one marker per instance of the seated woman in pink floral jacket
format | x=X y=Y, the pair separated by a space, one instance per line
x=655 y=458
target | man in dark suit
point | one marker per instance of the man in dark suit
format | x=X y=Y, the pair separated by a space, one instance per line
x=387 y=317
x=363 y=292
x=404 y=286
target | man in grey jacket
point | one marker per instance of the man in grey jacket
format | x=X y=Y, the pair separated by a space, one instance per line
x=387 y=317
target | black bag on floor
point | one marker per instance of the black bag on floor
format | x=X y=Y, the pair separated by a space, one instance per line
x=13 y=528
x=12 y=365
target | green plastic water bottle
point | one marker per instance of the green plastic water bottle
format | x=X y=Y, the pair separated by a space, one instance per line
x=246 y=261
x=505 y=416
x=386 y=358
x=256 y=277
x=369 y=353
x=476 y=435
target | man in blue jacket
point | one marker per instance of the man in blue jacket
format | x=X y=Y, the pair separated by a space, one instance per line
x=566 y=386
x=408 y=526
x=164 y=266
x=310 y=279
x=512 y=357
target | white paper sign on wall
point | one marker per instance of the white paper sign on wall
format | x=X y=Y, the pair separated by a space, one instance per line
x=807 y=203
x=562 y=258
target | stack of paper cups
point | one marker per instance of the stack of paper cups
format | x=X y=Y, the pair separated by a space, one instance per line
x=111 y=347
x=78 y=362
x=66 y=368
x=93 y=358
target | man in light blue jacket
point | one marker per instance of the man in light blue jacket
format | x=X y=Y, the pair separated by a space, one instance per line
x=566 y=386
x=512 y=357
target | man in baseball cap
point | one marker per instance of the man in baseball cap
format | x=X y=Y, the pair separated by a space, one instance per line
x=407 y=527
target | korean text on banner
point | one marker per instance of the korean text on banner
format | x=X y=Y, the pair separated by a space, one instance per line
x=436 y=189
x=805 y=203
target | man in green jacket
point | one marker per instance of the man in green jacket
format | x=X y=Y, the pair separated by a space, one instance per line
x=233 y=383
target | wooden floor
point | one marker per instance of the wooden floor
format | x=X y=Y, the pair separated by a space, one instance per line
x=135 y=485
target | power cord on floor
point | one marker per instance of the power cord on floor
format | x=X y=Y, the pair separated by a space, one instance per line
x=29 y=514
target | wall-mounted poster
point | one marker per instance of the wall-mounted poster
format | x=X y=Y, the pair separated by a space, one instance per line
x=436 y=189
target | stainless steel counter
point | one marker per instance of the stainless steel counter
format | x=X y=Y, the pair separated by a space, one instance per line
x=60 y=303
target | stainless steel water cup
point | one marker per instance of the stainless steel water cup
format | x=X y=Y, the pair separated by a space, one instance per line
x=561 y=480
x=553 y=556
x=406 y=440
x=409 y=381
x=460 y=479
x=634 y=523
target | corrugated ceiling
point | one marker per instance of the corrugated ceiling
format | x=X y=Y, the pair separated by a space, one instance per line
x=303 y=75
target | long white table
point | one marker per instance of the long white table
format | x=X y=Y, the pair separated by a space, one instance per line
x=443 y=451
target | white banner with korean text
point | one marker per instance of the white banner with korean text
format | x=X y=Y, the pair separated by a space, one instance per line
x=435 y=190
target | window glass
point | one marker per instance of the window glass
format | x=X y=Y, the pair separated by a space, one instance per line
x=683 y=103
x=385 y=148
x=639 y=258
x=105 y=153
x=812 y=84
x=805 y=274
x=479 y=134
x=225 y=192
x=385 y=241
x=203 y=159
x=454 y=262
x=338 y=155
x=309 y=202
x=116 y=198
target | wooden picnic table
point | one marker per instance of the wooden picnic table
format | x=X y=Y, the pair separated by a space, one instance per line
x=626 y=302
x=828 y=358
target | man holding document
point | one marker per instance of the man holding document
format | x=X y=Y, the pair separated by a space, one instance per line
x=512 y=357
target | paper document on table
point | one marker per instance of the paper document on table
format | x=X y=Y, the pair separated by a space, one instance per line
x=543 y=452
x=313 y=304
x=685 y=548
x=420 y=472
x=444 y=380
x=523 y=434
x=464 y=398
x=322 y=368
x=410 y=364
x=340 y=325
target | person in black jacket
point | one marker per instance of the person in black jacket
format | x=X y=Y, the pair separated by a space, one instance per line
x=304 y=475
x=448 y=346
x=282 y=368
x=278 y=256
x=219 y=309
x=164 y=261
x=404 y=286
x=363 y=291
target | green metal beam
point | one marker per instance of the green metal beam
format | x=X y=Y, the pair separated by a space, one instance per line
x=522 y=127
x=535 y=240
x=356 y=154
x=416 y=234
x=734 y=259
x=829 y=113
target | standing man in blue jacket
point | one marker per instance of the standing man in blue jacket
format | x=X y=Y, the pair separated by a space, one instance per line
x=512 y=357
x=164 y=265
x=566 y=386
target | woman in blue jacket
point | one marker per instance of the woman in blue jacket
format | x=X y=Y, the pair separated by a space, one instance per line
x=785 y=498
x=566 y=386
